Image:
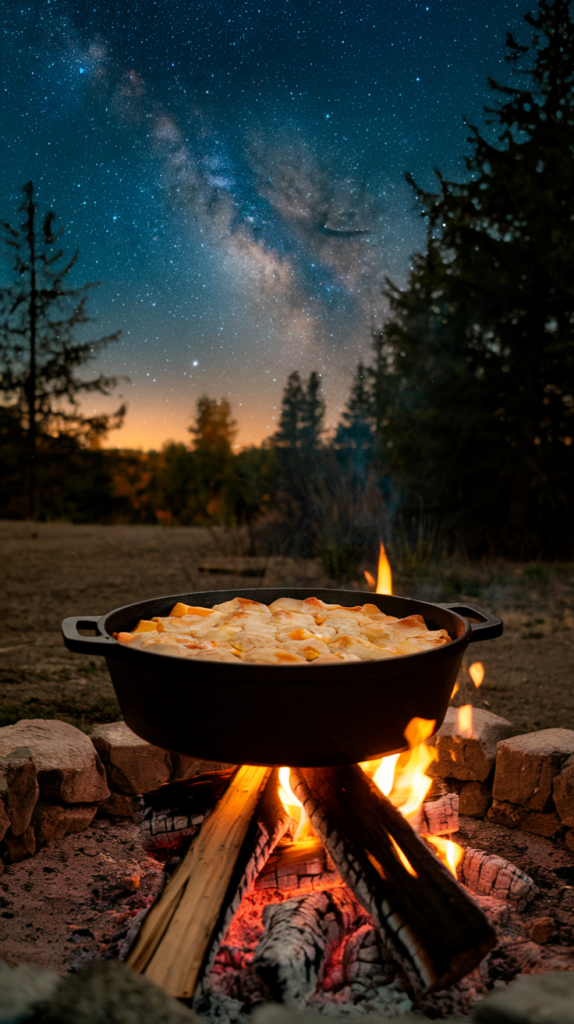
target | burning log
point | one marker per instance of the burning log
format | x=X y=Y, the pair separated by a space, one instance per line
x=488 y=875
x=269 y=824
x=175 y=935
x=298 y=935
x=182 y=931
x=433 y=925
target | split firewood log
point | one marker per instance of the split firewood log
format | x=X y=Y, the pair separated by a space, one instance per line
x=489 y=875
x=199 y=900
x=438 y=933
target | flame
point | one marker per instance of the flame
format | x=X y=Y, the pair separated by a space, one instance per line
x=408 y=786
x=385 y=773
x=293 y=806
x=286 y=794
x=476 y=673
x=403 y=857
x=448 y=852
x=403 y=778
x=384 y=584
x=455 y=690
x=465 y=720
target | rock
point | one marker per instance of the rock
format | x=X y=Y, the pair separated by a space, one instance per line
x=530 y=999
x=68 y=766
x=23 y=989
x=132 y=765
x=474 y=799
x=107 y=992
x=118 y=805
x=541 y=930
x=563 y=792
x=4 y=821
x=569 y=839
x=527 y=765
x=514 y=816
x=19 y=787
x=54 y=821
x=275 y=1013
x=468 y=753
x=185 y=767
x=17 y=848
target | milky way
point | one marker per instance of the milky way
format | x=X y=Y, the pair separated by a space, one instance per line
x=233 y=175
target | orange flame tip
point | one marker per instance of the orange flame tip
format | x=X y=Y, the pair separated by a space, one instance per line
x=384 y=576
x=370 y=579
x=476 y=673
x=455 y=690
x=448 y=852
x=403 y=858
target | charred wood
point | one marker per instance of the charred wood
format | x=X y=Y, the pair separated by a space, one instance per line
x=181 y=805
x=489 y=875
x=305 y=866
x=298 y=936
x=437 y=817
x=433 y=925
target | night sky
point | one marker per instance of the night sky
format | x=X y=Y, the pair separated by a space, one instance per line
x=232 y=173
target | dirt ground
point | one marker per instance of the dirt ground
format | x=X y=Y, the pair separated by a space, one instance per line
x=52 y=570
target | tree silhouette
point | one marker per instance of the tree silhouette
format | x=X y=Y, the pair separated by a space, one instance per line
x=476 y=367
x=212 y=459
x=39 y=358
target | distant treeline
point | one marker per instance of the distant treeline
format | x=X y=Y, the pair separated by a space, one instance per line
x=461 y=427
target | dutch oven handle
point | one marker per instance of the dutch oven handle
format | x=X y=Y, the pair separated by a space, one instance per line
x=84 y=644
x=488 y=626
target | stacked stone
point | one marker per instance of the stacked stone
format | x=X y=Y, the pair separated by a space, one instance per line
x=522 y=781
x=534 y=783
x=51 y=782
x=466 y=757
x=54 y=779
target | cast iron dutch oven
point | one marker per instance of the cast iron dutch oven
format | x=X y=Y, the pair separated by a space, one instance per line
x=300 y=715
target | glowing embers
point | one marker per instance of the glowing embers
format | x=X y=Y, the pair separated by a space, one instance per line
x=384 y=584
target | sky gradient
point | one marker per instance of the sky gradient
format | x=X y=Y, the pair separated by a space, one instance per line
x=232 y=173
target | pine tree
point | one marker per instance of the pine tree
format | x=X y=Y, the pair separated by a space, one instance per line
x=302 y=414
x=480 y=347
x=212 y=459
x=355 y=435
x=39 y=358
x=288 y=434
x=313 y=414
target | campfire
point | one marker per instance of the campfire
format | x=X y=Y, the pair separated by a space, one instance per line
x=285 y=851
x=295 y=876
